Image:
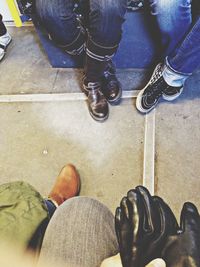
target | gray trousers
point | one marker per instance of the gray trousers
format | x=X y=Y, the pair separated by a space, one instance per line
x=80 y=234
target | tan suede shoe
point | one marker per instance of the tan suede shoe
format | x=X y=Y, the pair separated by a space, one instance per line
x=67 y=184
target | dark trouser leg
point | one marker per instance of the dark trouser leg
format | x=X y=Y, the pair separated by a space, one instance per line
x=105 y=29
x=80 y=234
x=36 y=241
x=104 y=34
x=60 y=21
x=2 y=27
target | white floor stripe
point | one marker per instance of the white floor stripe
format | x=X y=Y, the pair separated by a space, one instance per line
x=149 y=153
x=54 y=97
x=12 y=24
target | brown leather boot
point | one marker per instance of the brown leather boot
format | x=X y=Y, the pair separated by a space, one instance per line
x=67 y=185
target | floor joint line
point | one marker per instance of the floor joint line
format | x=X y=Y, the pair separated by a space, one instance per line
x=54 y=97
x=149 y=152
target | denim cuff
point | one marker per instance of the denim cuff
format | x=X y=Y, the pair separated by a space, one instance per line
x=99 y=52
x=51 y=206
x=173 y=77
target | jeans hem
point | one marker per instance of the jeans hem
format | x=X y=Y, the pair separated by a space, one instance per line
x=173 y=77
x=167 y=64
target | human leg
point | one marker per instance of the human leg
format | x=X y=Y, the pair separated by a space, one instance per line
x=60 y=21
x=174 y=19
x=67 y=185
x=80 y=234
x=168 y=79
x=5 y=38
x=186 y=58
x=104 y=34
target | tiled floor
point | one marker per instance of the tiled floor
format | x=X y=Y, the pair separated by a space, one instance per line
x=37 y=139
x=178 y=152
x=39 y=136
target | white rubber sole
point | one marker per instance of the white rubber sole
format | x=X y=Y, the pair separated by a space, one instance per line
x=139 y=106
x=2 y=55
x=98 y=119
x=171 y=98
x=139 y=96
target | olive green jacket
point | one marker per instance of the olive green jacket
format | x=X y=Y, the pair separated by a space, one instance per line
x=22 y=210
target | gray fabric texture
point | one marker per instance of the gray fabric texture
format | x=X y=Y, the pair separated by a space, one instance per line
x=80 y=234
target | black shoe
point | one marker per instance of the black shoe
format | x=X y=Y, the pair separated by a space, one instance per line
x=97 y=104
x=170 y=93
x=148 y=97
x=111 y=87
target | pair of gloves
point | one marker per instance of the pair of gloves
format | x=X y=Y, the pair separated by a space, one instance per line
x=147 y=229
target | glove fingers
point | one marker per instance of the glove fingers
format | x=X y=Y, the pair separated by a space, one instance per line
x=124 y=206
x=149 y=208
x=168 y=222
x=124 y=234
x=190 y=219
x=119 y=219
x=135 y=213
x=122 y=218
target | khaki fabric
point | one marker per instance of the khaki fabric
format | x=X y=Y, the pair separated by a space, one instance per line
x=22 y=210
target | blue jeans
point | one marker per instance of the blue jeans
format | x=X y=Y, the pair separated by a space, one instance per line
x=101 y=19
x=180 y=40
x=36 y=240
x=185 y=59
x=174 y=18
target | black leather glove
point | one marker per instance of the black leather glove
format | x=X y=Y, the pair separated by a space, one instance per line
x=26 y=6
x=142 y=224
x=183 y=249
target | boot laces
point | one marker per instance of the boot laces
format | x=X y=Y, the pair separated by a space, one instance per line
x=92 y=86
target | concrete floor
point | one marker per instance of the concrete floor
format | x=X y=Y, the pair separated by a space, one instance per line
x=177 y=148
x=38 y=136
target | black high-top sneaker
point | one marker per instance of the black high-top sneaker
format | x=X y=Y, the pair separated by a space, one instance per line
x=97 y=104
x=170 y=93
x=111 y=87
x=148 y=97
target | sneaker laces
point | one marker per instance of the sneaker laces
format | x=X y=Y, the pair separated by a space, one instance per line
x=154 y=88
x=157 y=74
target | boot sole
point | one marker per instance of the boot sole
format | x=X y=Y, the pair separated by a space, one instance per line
x=117 y=100
x=98 y=119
